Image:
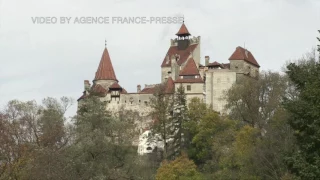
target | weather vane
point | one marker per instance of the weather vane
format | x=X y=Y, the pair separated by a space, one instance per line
x=105 y=43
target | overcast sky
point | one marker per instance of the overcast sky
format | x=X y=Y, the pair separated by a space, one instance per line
x=38 y=61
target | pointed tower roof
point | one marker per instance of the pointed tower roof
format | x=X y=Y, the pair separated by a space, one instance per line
x=183 y=31
x=190 y=69
x=105 y=70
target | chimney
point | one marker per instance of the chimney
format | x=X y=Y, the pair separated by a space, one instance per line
x=87 y=85
x=207 y=59
x=174 y=65
x=138 y=88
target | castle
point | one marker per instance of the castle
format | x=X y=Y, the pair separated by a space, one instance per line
x=180 y=66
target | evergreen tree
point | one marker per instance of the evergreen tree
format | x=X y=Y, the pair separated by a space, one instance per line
x=179 y=118
x=319 y=44
x=103 y=143
x=305 y=118
x=162 y=112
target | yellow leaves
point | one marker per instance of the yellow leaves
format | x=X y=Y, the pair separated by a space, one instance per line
x=245 y=141
x=180 y=168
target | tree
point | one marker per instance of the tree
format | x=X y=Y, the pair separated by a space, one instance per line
x=34 y=138
x=179 y=119
x=305 y=117
x=254 y=102
x=318 y=45
x=162 y=111
x=180 y=169
x=196 y=110
x=103 y=143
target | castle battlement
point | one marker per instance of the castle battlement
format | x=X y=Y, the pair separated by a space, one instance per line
x=193 y=40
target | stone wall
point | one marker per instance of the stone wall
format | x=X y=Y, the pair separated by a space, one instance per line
x=218 y=81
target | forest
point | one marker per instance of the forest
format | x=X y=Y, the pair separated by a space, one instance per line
x=271 y=132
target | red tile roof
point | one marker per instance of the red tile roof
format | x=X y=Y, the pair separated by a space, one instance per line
x=189 y=69
x=105 y=70
x=183 y=31
x=169 y=88
x=184 y=54
x=115 y=86
x=243 y=54
x=97 y=88
x=147 y=90
x=196 y=80
x=214 y=64
x=124 y=91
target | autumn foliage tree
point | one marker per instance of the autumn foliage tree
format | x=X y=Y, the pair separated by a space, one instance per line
x=179 y=169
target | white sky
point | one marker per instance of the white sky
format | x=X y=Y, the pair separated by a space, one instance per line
x=38 y=61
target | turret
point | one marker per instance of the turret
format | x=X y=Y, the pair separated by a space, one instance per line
x=105 y=75
x=183 y=37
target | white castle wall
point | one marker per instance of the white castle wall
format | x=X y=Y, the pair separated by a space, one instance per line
x=217 y=83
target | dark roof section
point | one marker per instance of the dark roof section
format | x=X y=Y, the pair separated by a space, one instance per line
x=84 y=95
x=184 y=54
x=214 y=64
x=105 y=70
x=115 y=86
x=97 y=88
x=243 y=54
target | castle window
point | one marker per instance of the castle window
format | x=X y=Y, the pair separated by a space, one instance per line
x=139 y=101
x=188 y=87
x=188 y=77
x=145 y=103
x=125 y=101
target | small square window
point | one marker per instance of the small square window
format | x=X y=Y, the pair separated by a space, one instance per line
x=188 y=87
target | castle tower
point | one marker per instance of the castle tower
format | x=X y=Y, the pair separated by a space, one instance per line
x=181 y=49
x=243 y=63
x=105 y=75
x=183 y=37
